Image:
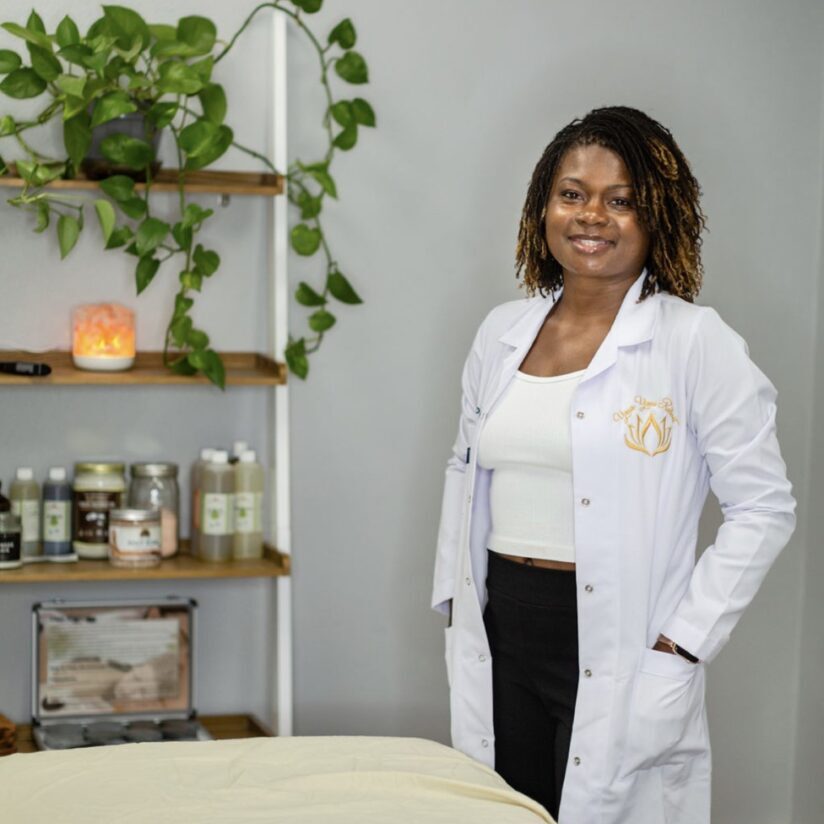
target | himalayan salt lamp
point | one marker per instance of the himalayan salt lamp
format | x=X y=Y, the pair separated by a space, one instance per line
x=103 y=337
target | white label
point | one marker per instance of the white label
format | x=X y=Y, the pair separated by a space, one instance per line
x=248 y=512
x=29 y=514
x=56 y=521
x=136 y=538
x=218 y=514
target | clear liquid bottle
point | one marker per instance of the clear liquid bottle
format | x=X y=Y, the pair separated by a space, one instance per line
x=217 y=504
x=25 y=503
x=249 y=478
x=195 y=476
x=57 y=517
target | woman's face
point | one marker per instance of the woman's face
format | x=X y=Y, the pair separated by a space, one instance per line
x=592 y=227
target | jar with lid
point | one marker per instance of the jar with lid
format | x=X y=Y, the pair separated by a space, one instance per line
x=154 y=486
x=10 y=535
x=97 y=489
x=134 y=537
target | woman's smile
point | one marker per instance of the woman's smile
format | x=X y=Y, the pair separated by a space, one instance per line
x=591 y=244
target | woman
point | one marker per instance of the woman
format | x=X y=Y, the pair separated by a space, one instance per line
x=595 y=417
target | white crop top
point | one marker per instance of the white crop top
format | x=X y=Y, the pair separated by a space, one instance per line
x=526 y=443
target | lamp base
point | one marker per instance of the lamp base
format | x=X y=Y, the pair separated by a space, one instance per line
x=95 y=363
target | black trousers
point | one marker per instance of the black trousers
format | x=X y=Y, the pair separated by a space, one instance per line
x=532 y=625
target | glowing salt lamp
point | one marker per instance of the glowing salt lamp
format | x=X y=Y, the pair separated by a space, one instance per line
x=103 y=337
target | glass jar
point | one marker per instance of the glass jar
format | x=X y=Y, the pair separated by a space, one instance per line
x=10 y=530
x=134 y=538
x=97 y=489
x=154 y=486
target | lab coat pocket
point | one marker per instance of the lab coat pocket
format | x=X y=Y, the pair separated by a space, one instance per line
x=660 y=710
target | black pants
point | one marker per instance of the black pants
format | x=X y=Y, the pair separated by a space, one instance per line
x=532 y=625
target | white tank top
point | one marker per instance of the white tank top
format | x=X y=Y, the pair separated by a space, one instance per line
x=526 y=442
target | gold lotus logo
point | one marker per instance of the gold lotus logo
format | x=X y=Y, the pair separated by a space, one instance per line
x=648 y=430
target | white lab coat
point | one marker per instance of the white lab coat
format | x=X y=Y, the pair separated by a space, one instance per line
x=670 y=406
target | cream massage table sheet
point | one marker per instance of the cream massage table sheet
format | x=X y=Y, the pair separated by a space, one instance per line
x=323 y=780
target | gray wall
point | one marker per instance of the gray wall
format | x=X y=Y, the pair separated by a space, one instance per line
x=467 y=95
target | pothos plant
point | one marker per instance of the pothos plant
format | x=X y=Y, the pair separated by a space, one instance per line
x=124 y=65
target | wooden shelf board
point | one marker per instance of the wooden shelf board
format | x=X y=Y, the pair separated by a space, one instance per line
x=242 y=369
x=205 y=182
x=182 y=566
x=219 y=726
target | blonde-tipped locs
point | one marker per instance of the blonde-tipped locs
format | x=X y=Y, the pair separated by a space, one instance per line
x=667 y=199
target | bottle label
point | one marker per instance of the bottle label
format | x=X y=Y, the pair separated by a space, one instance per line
x=91 y=515
x=29 y=514
x=248 y=512
x=9 y=547
x=56 y=521
x=136 y=538
x=217 y=516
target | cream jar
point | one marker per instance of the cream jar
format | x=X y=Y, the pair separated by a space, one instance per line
x=98 y=488
x=134 y=537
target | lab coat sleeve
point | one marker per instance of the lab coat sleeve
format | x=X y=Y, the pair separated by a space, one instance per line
x=449 y=530
x=731 y=413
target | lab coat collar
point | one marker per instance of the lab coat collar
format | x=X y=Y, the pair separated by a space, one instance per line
x=634 y=323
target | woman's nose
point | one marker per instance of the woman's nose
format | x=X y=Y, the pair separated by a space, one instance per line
x=592 y=213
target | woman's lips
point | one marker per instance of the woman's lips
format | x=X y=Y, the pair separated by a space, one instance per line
x=590 y=245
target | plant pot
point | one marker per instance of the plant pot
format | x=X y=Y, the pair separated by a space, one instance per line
x=96 y=167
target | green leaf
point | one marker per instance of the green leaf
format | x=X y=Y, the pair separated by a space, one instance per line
x=305 y=240
x=180 y=329
x=341 y=289
x=213 y=368
x=342 y=113
x=182 y=305
x=150 y=234
x=197 y=137
x=182 y=235
x=206 y=261
x=119 y=237
x=321 y=320
x=128 y=151
x=197 y=339
x=194 y=215
x=170 y=48
x=146 y=270
x=44 y=63
x=76 y=53
x=309 y=206
x=68 y=230
x=46 y=172
x=106 y=216
x=134 y=207
x=309 y=6
x=364 y=113
x=9 y=61
x=296 y=360
x=162 y=114
x=43 y=216
x=34 y=37
x=213 y=101
x=71 y=84
x=26 y=168
x=347 y=138
x=161 y=31
x=191 y=280
x=96 y=62
x=118 y=187
x=77 y=137
x=125 y=25
x=203 y=68
x=198 y=33
x=7 y=125
x=305 y=295
x=352 y=68
x=325 y=179
x=183 y=367
x=178 y=78
x=67 y=32
x=213 y=150
x=343 y=34
x=22 y=83
x=111 y=106
x=35 y=23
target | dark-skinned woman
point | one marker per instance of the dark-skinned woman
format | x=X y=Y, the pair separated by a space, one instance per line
x=596 y=415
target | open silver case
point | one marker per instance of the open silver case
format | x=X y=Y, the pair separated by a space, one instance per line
x=113 y=672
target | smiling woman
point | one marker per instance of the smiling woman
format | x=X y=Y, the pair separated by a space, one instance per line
x=596 y=415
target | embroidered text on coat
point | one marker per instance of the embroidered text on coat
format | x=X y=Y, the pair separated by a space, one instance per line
x=645 y=431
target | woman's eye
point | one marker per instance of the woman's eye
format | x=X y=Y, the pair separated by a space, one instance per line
x=623 y=202
x=569 y=194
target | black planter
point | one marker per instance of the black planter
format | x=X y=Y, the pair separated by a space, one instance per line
x=96 y=167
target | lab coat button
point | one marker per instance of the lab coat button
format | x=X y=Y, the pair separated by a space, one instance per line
x=579 y=414
x=477 y=410
x=588 y=673
x=484 y=743
x=482 y=658
x=468 y=581
x=588 y=587
x=576 y=760
x=469 y=499
x=585 y=501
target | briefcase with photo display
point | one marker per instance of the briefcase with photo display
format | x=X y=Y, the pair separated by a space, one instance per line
x=113 y=672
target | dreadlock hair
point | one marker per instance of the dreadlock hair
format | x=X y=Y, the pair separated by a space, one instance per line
x=666 y=195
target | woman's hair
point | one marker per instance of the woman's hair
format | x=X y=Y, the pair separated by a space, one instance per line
x=665 y=192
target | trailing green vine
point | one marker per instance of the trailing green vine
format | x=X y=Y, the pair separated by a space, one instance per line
x=124 y=66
